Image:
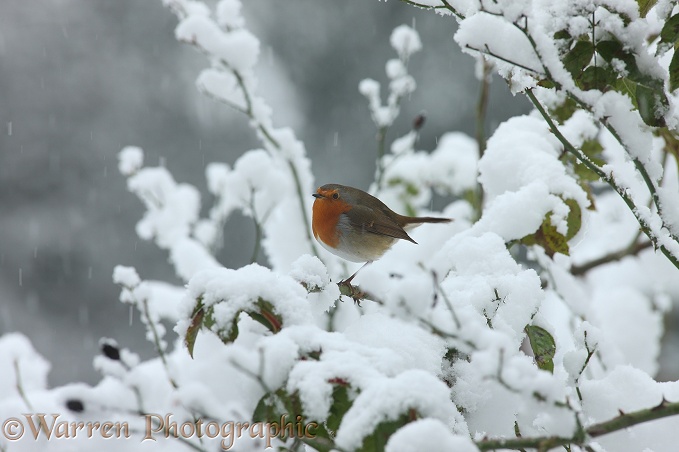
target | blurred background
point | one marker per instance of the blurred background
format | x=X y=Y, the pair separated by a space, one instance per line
x=80 y=80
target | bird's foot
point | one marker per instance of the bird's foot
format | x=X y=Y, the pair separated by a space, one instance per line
x=349 y=290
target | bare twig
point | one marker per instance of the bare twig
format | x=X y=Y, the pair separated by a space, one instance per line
x=621 y=422
x=635 y=248
x=481 y=110
x=19 y=386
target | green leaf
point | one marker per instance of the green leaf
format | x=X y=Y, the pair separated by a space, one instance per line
x=551 y=240
x=652 y=105
x=645 y=6
x=648 y=97
x=194 y=327
x=340 y=405
x=268 y=409
x=592 y=149
x=596 y=77
x=562 y=34
x=543 y=347
x=377 y=441
x=565 y=110
x=674 y=71
x=548 y=238
x=574 y=219
x=545 y=83
x=669 y=35
x=578 y=57
x=613 y=49
x=265 y=315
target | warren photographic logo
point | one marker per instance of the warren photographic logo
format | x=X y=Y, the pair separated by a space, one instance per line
x=54 y=427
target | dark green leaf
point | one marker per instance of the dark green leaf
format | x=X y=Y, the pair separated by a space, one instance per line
x=268 y=409
x=562 y=34
x=674 y=72
x=596 y=77
x=669 y=34
x=340 y=405
x=578 y=57
x=565 y=110
x=652 y=104
x=613 y=49
x=379 y=437
x=543 y=347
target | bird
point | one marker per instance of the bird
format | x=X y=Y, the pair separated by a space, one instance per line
x=357 y=226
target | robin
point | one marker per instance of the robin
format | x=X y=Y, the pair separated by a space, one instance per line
x=358 y=227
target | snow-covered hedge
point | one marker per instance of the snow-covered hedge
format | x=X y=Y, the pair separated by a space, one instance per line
x=533 y=321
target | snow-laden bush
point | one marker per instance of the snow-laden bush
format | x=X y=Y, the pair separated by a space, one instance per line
x=533 y=321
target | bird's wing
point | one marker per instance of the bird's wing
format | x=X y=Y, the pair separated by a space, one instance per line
x=364 y=218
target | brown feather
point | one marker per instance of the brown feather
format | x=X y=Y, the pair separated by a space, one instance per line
x=364 y=218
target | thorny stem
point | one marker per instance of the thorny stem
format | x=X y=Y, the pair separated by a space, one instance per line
x=621 y=422
x=608 y=178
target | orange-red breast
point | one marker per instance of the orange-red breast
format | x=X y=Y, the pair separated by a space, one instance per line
x=357 y=226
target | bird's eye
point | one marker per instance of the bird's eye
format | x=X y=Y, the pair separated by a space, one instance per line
x=335 y=196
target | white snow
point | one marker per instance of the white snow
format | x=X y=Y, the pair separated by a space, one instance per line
x=130 y=160
x=406 y=41
x=428 y=434
x=439 y=340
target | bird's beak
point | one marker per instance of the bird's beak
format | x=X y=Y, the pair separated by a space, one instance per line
x=318 y=195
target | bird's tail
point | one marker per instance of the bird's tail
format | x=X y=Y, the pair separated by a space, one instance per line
x=427 y=220
x=410 y=223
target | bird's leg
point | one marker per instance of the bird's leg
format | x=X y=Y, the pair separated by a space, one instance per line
x=348 y=280
x=347 y=289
